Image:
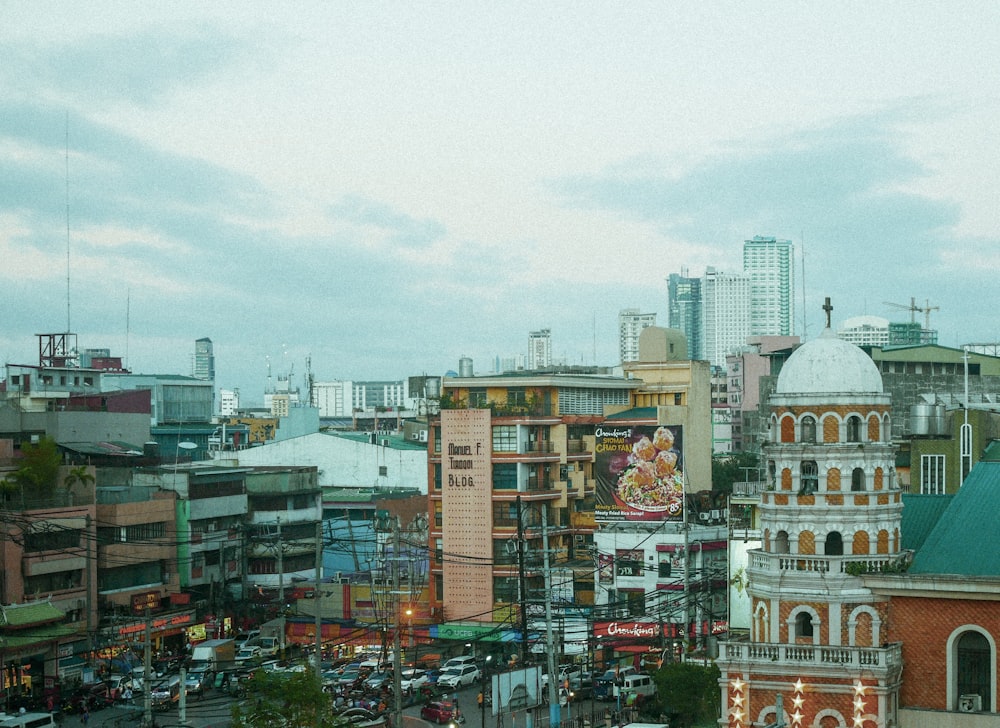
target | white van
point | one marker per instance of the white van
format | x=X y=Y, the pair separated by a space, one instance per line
x=639 y=683
x=27 y=720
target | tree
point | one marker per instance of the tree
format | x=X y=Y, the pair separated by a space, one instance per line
x=688 y=691
x=39 y=469
x=284 y=700
x=731 y=468
x=79 y=474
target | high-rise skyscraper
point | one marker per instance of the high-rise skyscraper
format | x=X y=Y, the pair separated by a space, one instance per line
x=726 y=314
x=684 y=311
x=204 y=360
x=540 y=349
x=769 y=262
x=630 y=325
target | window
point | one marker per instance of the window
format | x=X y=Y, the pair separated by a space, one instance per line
x=973 y=668
x=505 y=438
x=781 y=542
x=834 y=544
x=857 y=479
x=505 y=476
x=477 y=398
x=809 y=477
x=932 y=474
x=664 y=569
x=803 y=624
x=808 y=429
x=854 y=429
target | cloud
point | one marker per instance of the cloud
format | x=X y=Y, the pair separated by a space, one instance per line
x=139 y=67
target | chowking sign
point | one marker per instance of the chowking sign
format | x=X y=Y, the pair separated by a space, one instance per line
x=628 y=630
x=639 y=472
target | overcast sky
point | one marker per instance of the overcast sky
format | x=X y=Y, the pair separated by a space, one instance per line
x=386 y=187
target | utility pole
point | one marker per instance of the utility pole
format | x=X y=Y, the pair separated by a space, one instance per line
x=554 y=707
x=521 y=586
x=317 y=604
x=147 y=676
x=397 y=663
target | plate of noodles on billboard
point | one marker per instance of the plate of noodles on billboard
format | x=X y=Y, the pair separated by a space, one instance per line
x=639 y=473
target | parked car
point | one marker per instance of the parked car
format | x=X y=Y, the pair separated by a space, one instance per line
x=349 y=677
x=438 y=712
x=460 y=661
x=378 y=680
x=458 y=677
x=361 y=718
x=412 y=679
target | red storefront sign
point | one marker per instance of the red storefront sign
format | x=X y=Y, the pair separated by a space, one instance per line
x=628 y=630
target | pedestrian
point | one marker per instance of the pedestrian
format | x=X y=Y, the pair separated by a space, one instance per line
x=85 y=718
x=127 y=695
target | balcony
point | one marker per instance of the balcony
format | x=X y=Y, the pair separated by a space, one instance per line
x=749 y=489
x=784 y=563
x=790 y=659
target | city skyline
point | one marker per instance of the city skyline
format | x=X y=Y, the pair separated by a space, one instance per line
x=386 y=190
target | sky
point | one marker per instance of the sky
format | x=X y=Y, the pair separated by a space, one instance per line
x=380 y=189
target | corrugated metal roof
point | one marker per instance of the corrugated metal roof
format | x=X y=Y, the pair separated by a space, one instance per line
x=920 y=514
x=29 y=613
x=962 y=540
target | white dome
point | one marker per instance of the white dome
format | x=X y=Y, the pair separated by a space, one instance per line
x=829 y=365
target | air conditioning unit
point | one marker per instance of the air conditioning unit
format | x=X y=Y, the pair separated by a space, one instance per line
x=970 y=703
x=703 y=516
x=579 y=538
x=385 y=443
x=415 y=436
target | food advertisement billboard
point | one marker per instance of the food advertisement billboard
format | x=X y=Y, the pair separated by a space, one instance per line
x=639 y=472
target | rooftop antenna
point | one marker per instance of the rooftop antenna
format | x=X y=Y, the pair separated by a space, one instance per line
x=68 y=329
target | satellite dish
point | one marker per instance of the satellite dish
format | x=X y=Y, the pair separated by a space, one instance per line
x=187 y=445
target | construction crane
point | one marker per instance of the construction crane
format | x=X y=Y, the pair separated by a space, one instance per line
x=913 y=308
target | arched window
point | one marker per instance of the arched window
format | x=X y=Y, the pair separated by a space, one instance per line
x=808 y=429
x=834 y=544
x=803 y=625
x=772 y=473
x=808 y=477
x=781 y=542
x=854 y=429
x=857 y=479
x=973 y=668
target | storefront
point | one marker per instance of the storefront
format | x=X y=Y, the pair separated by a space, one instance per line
x=167 y=635
x=29 y=644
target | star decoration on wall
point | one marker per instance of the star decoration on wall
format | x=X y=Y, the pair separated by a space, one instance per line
x=859 y=688
x=799 y=686
x=798 y=701
x=737 y=684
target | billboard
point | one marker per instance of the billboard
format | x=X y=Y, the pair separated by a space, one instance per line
x=639 y=472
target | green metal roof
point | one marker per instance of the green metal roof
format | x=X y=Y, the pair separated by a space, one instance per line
x=636 y=413
x=35 y=636
x=920 y=514
x=959 y=543
x=22 y=615
x=395 y=441
x=992 y=451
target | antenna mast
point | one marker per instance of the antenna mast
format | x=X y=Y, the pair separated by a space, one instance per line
x=68 y=328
